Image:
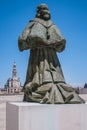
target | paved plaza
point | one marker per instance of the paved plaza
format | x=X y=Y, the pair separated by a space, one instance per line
x=3 y=100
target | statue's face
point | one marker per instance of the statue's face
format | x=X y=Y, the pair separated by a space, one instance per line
x=44 y=14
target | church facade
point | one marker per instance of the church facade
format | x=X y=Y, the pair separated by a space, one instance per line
x=13 y=85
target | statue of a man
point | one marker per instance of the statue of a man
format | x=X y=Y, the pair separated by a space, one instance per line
x=45 y=82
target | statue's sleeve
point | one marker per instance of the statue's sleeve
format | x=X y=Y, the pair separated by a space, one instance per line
x=22 y=40
x=60 y=46
x=56 y=38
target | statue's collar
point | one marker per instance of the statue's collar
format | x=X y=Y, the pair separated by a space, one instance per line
x=43 y=22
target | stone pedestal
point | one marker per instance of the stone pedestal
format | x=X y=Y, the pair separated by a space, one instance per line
x=33 y=116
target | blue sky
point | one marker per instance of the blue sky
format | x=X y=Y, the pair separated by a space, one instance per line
x=71 y=18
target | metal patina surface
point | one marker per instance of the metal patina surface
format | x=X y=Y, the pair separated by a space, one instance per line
x=45 y=82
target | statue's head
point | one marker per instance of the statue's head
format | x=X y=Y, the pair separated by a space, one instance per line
x=43 y=12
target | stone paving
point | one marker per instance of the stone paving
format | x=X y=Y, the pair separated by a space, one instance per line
x=2 y=116
x=4 y=99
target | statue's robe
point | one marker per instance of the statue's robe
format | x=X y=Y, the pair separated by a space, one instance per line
x=45 y=82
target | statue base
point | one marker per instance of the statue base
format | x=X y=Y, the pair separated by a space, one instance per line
x=34 y=116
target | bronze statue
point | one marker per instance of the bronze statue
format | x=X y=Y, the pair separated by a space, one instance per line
x=45 y=82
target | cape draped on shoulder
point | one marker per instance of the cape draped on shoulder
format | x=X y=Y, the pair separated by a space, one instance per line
x=41 y=33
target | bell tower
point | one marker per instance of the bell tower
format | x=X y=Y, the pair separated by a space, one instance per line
x=14 y=72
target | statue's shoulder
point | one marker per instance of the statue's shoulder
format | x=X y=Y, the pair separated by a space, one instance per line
x=44 y=23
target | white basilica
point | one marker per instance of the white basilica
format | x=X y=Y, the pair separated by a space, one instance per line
x=13 y=85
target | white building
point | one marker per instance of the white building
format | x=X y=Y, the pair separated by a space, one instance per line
x=13 y=84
